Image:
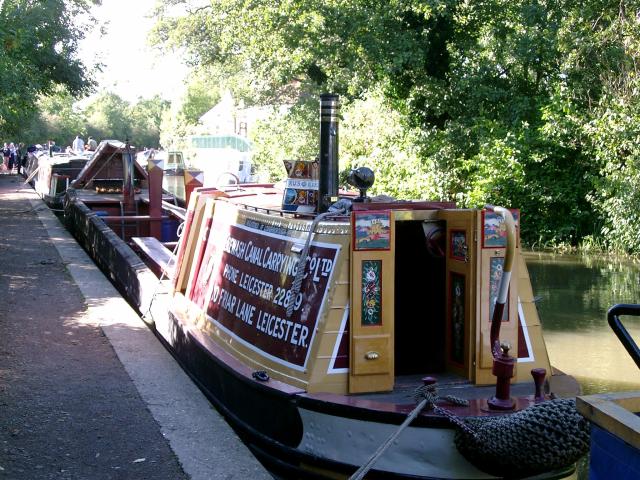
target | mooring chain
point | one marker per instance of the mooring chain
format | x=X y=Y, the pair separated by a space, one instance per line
x=426 y=396
x=430 y=393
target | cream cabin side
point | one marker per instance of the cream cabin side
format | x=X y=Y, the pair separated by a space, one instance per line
x=390 y=292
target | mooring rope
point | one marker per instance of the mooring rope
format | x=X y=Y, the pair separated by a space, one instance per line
x=429 y=396
x=297 y=281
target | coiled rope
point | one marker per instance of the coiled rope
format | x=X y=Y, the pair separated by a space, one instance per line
x=544 y=437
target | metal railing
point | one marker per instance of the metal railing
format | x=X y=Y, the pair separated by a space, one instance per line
x=613 y=317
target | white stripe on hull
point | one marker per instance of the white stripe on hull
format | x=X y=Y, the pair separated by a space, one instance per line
x=428 y=452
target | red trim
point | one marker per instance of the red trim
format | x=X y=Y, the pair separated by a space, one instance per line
x=367 y=206
x=523 y=351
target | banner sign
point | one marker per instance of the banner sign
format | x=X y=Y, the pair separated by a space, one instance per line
x=249 y=274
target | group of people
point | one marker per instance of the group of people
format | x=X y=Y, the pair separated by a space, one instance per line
x=78 y=145
x=13 y=157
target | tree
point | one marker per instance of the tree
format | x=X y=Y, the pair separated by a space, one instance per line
x=202 y=93
x=146 y=117
x=56 y=119
x=108 y=117
x=38 y=51
x=525 y=103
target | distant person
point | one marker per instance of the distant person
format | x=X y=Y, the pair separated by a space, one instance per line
x=92 y=144
x=22 y=158
x=78 y=144
x=12 y=157
x=6 y=154
x=53 y=148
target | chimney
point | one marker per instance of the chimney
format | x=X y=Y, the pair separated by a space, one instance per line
x=328 y=187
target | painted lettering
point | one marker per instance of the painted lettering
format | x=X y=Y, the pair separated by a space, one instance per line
x=227 y=300
x=245 y=312
x=230 y=273
x=282 y=329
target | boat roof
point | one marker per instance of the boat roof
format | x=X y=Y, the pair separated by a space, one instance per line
x=59 y=158
x=107 y=151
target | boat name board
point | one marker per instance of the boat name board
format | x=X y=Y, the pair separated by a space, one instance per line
x=249 y=274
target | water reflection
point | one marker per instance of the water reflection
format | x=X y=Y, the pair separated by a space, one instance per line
x=174 y=184
x=575 y=293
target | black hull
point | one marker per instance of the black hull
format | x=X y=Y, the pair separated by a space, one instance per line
x=115 y=258
x=268 y=421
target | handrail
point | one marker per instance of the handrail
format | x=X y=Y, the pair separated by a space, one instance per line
x=613 y=316
x=496 y=320
x=233 y=175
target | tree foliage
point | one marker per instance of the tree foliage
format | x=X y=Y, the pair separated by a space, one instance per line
x=38 y=52
x=58 y=117
x=203 y=91
x=526 y=103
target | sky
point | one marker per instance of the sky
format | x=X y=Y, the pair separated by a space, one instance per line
x=131 y=69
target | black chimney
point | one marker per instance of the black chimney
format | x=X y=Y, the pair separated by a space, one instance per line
x=328 y=187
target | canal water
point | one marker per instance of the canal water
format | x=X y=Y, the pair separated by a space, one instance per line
x=573 y=295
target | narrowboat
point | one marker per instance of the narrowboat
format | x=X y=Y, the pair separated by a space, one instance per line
x=344 y=335
x=52 y=175
x=114 y=199
x=615 y=425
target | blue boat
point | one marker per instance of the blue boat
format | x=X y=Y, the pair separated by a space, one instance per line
x=615 y=425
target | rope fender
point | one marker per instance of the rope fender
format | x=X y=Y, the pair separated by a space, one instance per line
x=544 y=437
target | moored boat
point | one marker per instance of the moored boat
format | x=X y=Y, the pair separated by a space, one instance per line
x=329 y=327
x=53 y=175
x=114 y=199
x=615 y=425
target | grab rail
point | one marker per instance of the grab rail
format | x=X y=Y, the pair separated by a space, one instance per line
x=613 y=316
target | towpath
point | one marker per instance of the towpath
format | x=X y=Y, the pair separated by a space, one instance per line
x=86 y=390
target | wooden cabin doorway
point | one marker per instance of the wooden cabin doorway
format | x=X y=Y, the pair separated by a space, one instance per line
x=419 y=298
x=424 y=273
x=435 y=293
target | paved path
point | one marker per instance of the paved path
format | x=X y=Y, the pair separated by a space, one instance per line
x=86 y=390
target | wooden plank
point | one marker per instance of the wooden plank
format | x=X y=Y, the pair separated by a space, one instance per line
x=33 y=175
x=615 y=413
x=159 y=257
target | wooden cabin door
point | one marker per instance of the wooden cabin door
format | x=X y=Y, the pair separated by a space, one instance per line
x=461 y=262
x=492 y=246
x=372 y=301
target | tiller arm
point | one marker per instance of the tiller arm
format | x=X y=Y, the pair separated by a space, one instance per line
x=503 y=364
